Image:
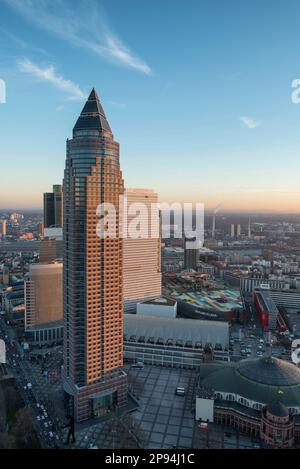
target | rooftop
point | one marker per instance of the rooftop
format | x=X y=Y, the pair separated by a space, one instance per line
x=193 y=330
x=92 y=116
x=160 y=301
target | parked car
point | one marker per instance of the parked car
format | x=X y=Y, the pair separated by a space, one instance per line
x=138 y=365
x=180 y=391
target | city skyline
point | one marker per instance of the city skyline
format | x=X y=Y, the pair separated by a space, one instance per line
x=233 y=117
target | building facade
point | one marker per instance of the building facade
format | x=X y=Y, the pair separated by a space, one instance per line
x=93 y=269
x=191 y=254
x=53 y=207
x=43 y=295
x=142 y=255
x=248 y=284
x=3 y=228
x=266 y=309
x=260 y=397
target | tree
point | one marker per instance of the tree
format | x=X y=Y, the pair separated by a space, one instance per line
x=12 y=400
x=7 y=441
x=2 y=411
x=23 y=430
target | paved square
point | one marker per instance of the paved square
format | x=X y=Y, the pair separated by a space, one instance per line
x=168 y=418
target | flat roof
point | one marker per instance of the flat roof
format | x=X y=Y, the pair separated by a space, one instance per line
x=160 y=301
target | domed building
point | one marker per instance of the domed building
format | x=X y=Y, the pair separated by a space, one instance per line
x=258 y=396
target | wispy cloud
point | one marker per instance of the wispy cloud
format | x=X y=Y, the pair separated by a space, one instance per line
x=48 y=74
x=82 y=24
x=250 y=122
x=122 y=54
x=18 y=41
x=59 y=108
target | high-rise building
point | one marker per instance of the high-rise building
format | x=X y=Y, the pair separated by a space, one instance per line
x=94 y=380
x=238 y=230
x=51 y=246
x=3 y=228
x=53 y=207
x=50 y=250
x=41 y=229
x=249 y=228
x=191 y=253
x=43 y=294
x=49 y=217
x=232 y=230
x=58 y=200
x=142 y=258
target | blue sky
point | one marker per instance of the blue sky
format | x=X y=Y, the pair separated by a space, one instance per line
x=198 y=94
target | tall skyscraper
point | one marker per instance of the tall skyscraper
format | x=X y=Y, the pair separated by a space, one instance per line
x=53 y=207
x=142 y=259
x=58 y=200
x=93 y=273
x=49 y=217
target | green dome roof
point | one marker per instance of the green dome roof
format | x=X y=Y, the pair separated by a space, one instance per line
x=261 y=380
x=270 y=371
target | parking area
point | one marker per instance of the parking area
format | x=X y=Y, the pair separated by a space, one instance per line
x=251 y=342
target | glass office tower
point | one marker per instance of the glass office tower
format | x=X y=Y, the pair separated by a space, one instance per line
x=93 y=275
x=53 y=208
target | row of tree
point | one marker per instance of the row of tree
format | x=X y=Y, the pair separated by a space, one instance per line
x=16 y=424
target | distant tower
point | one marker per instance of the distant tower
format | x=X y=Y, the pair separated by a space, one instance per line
x=53 y=207
x=238 y=230
x=232 y=230
x=58 y=195
x=3 y=228
x=213 y=231
x=249 y=228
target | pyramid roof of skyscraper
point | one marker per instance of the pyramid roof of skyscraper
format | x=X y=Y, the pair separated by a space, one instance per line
x=92 y=115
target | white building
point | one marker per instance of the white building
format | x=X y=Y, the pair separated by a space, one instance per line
x=142 y=258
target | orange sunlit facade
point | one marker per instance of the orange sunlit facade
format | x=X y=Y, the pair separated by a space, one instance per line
x=93 y=270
